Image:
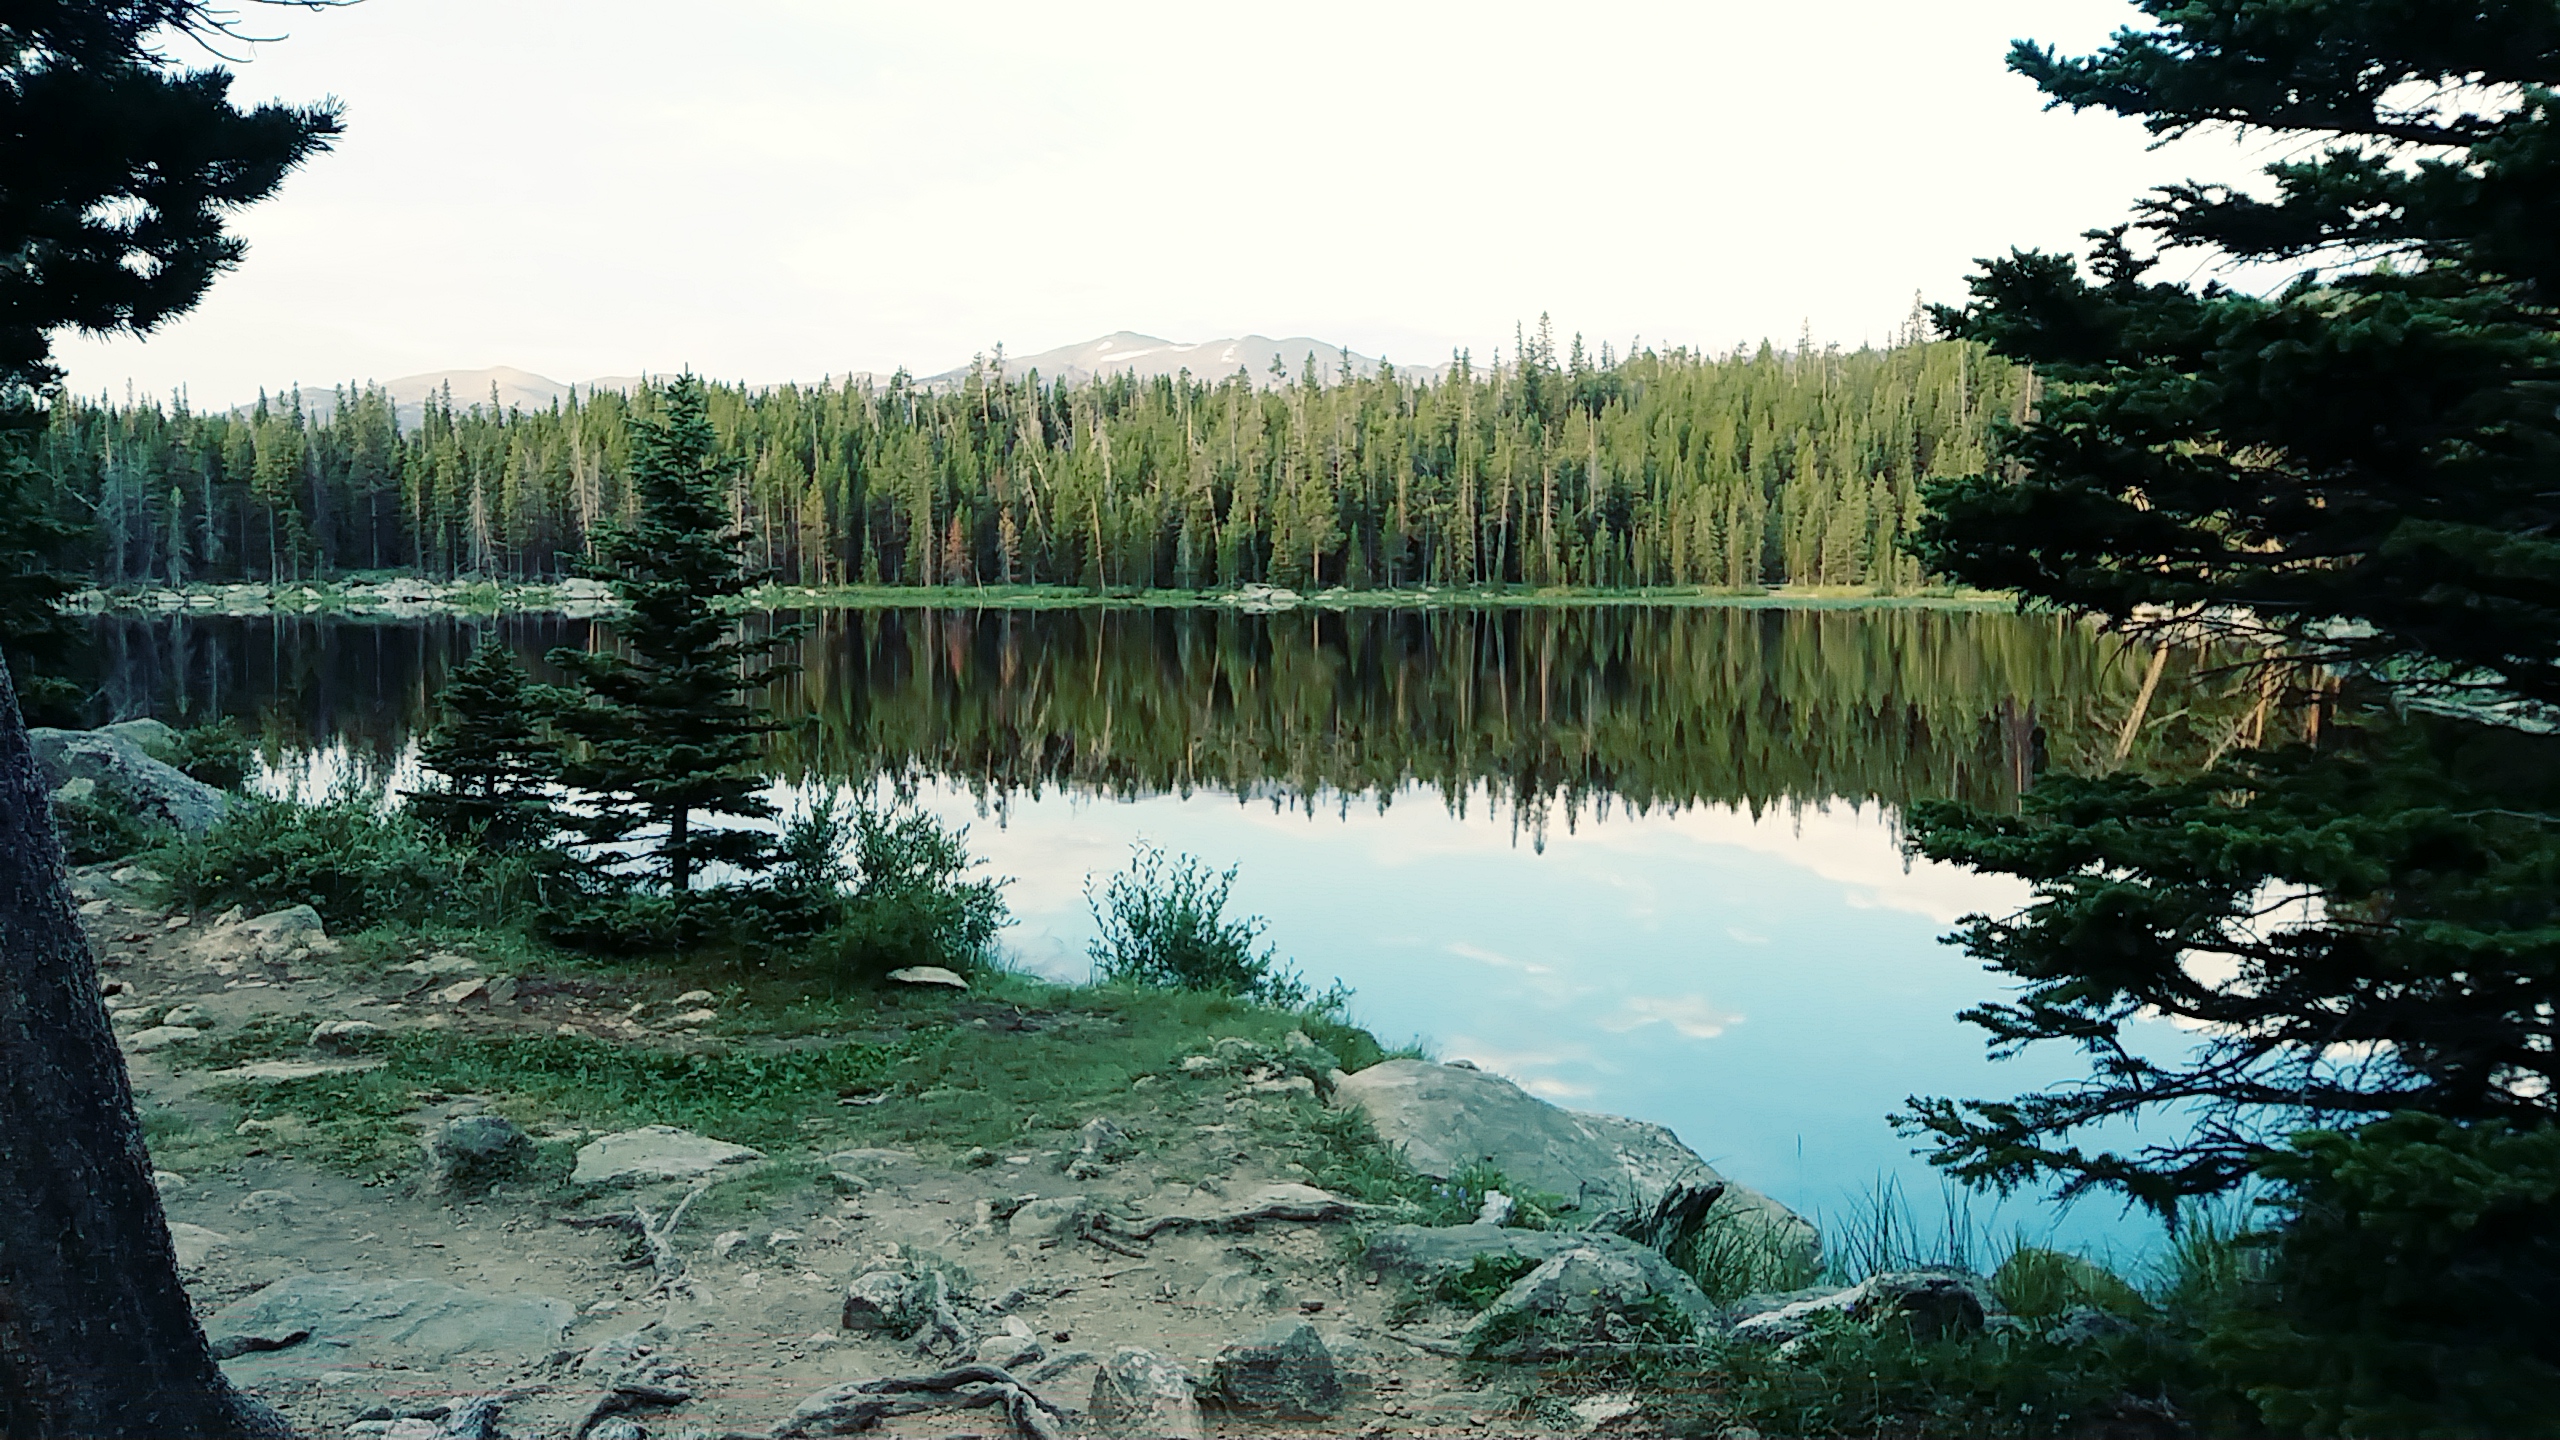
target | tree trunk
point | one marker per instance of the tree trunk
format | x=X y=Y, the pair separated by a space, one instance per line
x=96 y=1334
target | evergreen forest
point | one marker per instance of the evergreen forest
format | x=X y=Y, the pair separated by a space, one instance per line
x=1672 y=468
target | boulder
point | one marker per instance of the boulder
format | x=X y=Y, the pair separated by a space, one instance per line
x=1587 y=1295
x=156 y=737
x=304 y=1324
x=469 y=1153
x=1934 y=1303
x=277 y=935
x=194 y=1242
x=928 y=975
x=115 y=765
x=652 y=1153
x=159 y=1037
x=1140 y=1395
x=882 y=1302
x=1238 y=1290
x=1041 y=1219
x=1283 y=1369
x=1611 y=1172
x=343 y=1037
x=1425 y=1255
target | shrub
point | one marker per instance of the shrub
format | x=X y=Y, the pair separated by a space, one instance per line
x=2414 y=1287
x=877 y=888
x=355 y=863
x=1163 y=922
x=217 y=754
x=99 y=823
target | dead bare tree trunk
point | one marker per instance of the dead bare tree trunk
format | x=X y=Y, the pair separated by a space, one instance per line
x=96 y=1335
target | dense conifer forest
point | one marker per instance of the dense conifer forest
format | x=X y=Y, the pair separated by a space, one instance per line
x=1658 y=468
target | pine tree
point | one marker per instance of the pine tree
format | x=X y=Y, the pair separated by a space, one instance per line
x=495 y=763
x=2355 y=470
x=664 y=732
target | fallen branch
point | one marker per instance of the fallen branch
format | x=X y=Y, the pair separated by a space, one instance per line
x=844 y=1409
x=624 y=1395
x=658 y=1236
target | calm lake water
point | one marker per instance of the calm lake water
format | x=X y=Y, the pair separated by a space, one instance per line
x=1640 y=860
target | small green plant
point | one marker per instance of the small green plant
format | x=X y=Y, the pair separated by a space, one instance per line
x=1484 y=1280
x=354 y=862
x=876 y=888
x=217 y=753
x=1164 y=923
x=2036 y=1283
x=99 y=823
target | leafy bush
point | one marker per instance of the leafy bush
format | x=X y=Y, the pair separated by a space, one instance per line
x=1164 y=924
x=218 y=754
x=878 y=888
x=2414 y=1288
x=99 y=823
x=355 y=863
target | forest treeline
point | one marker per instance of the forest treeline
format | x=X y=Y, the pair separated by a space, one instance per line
x=1658 y=468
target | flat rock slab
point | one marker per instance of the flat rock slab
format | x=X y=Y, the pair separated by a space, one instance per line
x=347 y=1322
x=270 y=1072
x=653 y=1153
x=929 y=975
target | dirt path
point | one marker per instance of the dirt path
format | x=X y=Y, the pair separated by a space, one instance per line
x=755 y=1322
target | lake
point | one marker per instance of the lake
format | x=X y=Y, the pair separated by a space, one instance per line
x=1639 y=859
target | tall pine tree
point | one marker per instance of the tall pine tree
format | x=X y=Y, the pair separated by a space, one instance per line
x=666 y=738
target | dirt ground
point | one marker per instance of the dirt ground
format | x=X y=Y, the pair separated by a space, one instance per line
x=753 y=1321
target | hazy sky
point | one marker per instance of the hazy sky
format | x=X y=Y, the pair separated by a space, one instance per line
x=780 y=189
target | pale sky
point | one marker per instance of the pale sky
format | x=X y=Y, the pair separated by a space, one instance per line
x=766 y=190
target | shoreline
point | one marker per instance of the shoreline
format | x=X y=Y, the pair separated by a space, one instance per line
x=407 y=597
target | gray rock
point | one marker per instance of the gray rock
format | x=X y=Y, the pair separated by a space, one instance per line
x=928 y=975
x=1140 y=1395
x=159 y=1037
x=1239 y=1290
x=1283 y=1369
x=119 y=768
x=1427 y=1254
x=194 y=1242
x=654 y=1152
x=1612 y=1172
x=470 y=1153
x=416 y=1322
x=617 y=1427
x=194 y=1017
x=881 y=1302
x=1584 y=1296
x=1041 y=1219
x=343 y=1037
x=1102 y=1140
x=2079 y=1325
x=276 y=935
x=1934 y=1303
x=156 y=737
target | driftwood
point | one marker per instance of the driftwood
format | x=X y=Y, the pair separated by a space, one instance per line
x=845 y=1409
x=629 y=1394
x=658 y=1235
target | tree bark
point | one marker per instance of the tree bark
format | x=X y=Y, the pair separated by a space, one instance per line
x=96 y=1334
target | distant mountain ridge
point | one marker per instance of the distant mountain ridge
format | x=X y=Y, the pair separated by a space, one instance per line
x=1123 y=352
